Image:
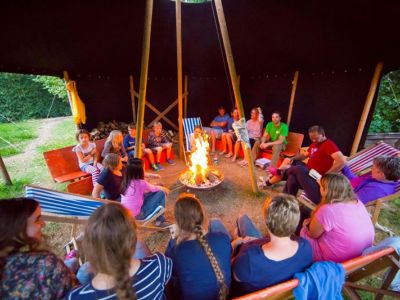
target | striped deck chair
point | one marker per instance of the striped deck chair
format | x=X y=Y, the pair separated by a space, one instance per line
x=361 y=163
x=188 y=128
x=356 y=269
x=75 y=209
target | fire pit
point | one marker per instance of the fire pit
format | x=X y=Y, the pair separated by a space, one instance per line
x=200 y=175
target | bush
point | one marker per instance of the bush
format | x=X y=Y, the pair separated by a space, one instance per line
x=22 y=97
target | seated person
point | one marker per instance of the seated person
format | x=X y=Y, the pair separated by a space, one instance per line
x=217 y=127
x=254 y=129
x=140 y=197
x=201 y=259
x=262 y=262
x=197 y=134
x=323 y=156
x=110 y=179
x=87 y=155
x=114 y=144
x=109 y=242
x=274 y=137
x=381 y=182
x=157 y=141
x=340 y=228
x=27 y=269
x=130 y=145
x=229 y=137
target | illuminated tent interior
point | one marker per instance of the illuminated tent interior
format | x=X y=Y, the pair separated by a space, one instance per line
x=335 y=47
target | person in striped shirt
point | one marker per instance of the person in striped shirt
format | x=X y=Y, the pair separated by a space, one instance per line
x=109 y=243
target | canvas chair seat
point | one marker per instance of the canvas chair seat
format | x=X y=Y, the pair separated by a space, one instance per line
x=188 y=127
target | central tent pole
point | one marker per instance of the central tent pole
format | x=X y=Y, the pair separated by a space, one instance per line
x=179 y=73
x=143 y=76
x=294 y=87
x=235 y=85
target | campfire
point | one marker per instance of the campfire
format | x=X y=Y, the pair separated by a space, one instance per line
x=200 y=175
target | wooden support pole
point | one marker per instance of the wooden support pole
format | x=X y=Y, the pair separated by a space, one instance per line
x=179 y=73
x=66 y=79
x=292 y=95
x=185 y=96
x=143 y=74
x=4 y=172
x=235 y=85
x=131 y=91
x=367 y=107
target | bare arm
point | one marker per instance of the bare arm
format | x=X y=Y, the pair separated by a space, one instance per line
x=315 y=228
x=279 y=141
x=339 y=161
x=220 y=124
x=83 y=158
x=98 y=188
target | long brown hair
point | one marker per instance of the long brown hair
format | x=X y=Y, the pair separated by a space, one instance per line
x=14 y=214
x=338 y=189
x=190 y=218
x=109 y=243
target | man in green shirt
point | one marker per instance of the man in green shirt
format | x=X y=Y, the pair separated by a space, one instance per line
x=275 y=137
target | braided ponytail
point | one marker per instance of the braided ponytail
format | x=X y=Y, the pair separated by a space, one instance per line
x=223 y=290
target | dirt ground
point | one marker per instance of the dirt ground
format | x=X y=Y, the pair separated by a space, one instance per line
x=227 y=201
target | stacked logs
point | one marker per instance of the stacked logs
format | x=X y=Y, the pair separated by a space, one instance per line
x=103 y=130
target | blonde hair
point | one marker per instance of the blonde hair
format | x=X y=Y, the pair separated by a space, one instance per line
x=337 y=187
x=111 y=161
x=157 y=124
x=115 y=138
x=281 y=214
x=109 y=243
x=190 y=218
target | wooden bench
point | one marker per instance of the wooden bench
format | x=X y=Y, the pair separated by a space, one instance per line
x=63 y=164
x=356 y=269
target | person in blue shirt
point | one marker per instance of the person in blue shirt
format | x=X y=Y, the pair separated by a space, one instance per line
x=217 y=127
x=130 y=146
x=201 y=260
x=262 y=262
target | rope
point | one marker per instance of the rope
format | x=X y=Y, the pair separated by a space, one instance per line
x=222 y=54
x=50 y=107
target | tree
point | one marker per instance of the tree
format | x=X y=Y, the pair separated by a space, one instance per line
x=386 y=117
x=53 y=85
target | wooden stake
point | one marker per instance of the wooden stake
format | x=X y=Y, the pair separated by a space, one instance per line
x=367 y=107
x=131 y=90
x=235 y=85
x=179 y=73
x=294 y=87
x=4 y=172
x=143 y=75
x=185 y=96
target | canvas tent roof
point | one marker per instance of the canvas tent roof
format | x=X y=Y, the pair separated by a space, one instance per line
x=335 y=46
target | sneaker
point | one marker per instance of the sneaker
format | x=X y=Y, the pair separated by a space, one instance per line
x=164 y=224
x=160 y=167
x=170 y=161
x=155 y=168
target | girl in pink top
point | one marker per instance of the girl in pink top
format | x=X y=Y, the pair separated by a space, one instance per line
x=340 y=228
x=139 y=196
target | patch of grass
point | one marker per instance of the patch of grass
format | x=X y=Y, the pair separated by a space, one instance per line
x=14 y=190
x=64 y=136
x=14 y=136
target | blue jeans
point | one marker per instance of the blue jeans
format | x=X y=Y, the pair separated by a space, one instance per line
x=150 y=203
x=85 y=273
x=245 y=227
x=215 y=225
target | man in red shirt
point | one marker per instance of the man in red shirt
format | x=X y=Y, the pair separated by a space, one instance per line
x=323 y=156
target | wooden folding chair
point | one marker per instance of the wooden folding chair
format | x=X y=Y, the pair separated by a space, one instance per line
x=356 y=269
x=74 y=209
x=361 y=163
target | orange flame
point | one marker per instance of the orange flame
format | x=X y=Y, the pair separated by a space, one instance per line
x=199 y=158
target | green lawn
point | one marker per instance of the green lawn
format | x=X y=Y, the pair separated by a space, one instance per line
x=32 y=169
x=15 y=136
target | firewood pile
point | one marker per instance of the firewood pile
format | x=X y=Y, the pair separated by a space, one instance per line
x=211 y=179
x=103 y=130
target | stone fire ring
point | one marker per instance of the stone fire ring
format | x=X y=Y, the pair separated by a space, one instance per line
x=202 y=187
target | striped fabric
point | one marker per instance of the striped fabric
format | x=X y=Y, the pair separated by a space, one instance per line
x=60 y=203
x=364 y=159
x=188 y=127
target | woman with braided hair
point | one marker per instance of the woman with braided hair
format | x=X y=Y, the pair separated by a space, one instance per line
x=109 y=243
x=201 y=259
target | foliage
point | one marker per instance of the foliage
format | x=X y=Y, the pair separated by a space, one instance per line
x=23 y=98
x=53 y=85
x=14 y=136
x=387 y=112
